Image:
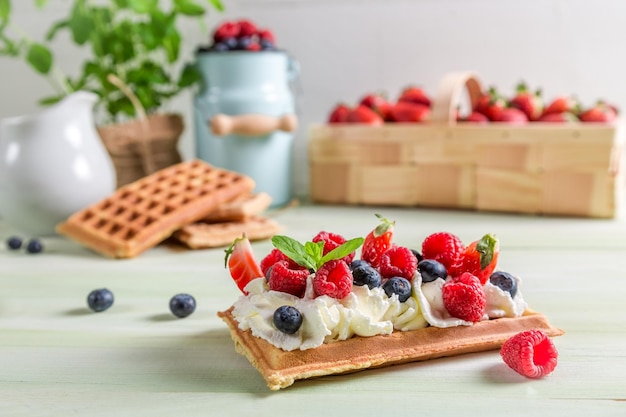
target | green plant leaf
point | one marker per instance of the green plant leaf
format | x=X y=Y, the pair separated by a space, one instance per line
x=188 y=7
x=39 y=57
x=143 y=6
x=171 y=43
x=52 y=32
x=81 y=25
x=310 y=255
x=40 y=3
x=294 y=250
x=47 y=101
x=189 y=76
x=5 y=10
x=122 y=4
x=217 y=4
x=343 y=250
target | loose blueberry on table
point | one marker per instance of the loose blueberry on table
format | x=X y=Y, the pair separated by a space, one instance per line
x=100 y=299
x=14 y=243
x=182 y=305
x=34 y=246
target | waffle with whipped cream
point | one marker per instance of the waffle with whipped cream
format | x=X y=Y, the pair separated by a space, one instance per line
x=281 y=368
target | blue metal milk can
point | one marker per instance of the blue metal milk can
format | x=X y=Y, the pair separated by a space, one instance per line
x=245 y=116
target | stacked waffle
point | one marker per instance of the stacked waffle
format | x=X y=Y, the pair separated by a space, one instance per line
x=197 y=204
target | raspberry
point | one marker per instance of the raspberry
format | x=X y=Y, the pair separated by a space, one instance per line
x=332 y=241
x=247 y=28
x=464 y=297
x=333 y=279
x=443 y=247
x=285 y=279
x=398 y=261
x=274 y=256
x=530 y=353
x=266 y=35
x=226 y=30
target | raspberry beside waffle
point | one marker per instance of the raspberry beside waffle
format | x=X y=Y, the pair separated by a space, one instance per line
x=142 y=214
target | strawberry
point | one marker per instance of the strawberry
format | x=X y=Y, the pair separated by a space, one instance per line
x=528 y=102
x=246 y=28
x=408 y=112
x=491 y=104
x=241 y=263
x=339 y=114
x=563 y=117
x=513 y=116
x=377 y=241
x=364 y=115
x=479 y=258
x=600 y=113
x=474 y=117
x=414 y=95
x=563 y=105
x=378 y=103
x=226 y=30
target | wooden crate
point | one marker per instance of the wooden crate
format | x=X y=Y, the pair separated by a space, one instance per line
x=540 y=168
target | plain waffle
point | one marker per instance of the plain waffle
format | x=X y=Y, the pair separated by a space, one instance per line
x=281 y=369
x=142 y=214
x=212 y=235
x=239 y=209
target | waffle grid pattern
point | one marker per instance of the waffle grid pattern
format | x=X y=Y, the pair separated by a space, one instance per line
x=143 y=213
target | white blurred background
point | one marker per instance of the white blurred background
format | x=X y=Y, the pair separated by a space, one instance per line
x=347 y=48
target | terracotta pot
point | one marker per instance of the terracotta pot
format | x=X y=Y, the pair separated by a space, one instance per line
x=143 y=146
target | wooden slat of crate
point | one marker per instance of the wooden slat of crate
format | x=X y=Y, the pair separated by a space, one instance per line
x=525 y=169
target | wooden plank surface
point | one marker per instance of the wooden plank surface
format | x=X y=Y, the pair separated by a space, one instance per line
x=59 y=359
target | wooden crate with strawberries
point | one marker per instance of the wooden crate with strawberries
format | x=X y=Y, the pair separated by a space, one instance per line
x=570 y=168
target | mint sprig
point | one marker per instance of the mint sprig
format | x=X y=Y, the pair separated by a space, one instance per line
x=311 y=254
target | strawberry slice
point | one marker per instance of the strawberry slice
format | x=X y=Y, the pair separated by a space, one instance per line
x=377 y=241
x=480 y=258
x=241 y=263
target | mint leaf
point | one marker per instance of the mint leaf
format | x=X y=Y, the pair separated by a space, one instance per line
x=311 y=254
x=294 y=250
x=342 y=250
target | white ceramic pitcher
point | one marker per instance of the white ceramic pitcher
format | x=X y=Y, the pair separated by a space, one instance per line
x=52 y=164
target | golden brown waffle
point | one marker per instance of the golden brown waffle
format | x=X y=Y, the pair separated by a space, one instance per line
x=140 y=215
x=281 y=369
x=239 y=209
x=212 y=235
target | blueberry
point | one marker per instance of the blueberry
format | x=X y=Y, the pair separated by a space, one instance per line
x=220 y=47
x=287 y=319
x=398 y=285
x=417 y=255
x=266 y=45
x=100 y=299
x=504 y=281
x=243 y=43
x=431 y=270
x=14 y=243
x=356 y=263
x=34 y=246
x=231 y=43
x=182 y=305
x=366 y=275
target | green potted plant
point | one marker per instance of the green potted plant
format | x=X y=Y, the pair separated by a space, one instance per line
x=134 y=65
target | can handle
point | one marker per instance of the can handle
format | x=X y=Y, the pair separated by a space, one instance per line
x=252 y=124
x=448 y=96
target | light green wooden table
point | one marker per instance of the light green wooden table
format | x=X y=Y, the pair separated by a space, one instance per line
x=59 y=359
